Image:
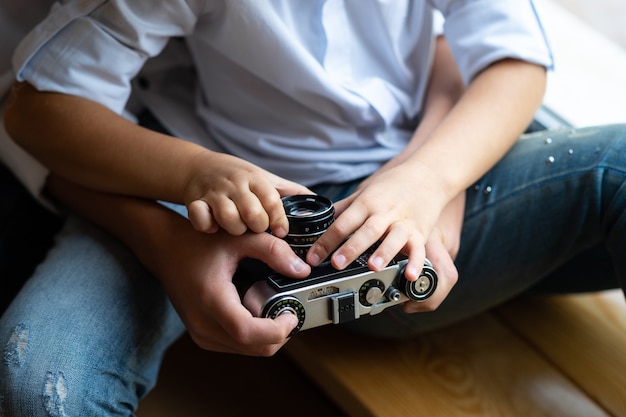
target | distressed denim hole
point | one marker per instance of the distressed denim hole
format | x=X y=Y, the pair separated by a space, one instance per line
x=17 y=346
x=55 y=394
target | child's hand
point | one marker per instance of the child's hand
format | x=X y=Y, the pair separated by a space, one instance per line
x=404 y=213
x=236 y=195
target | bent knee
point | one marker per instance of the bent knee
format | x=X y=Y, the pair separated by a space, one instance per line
x=27 y=388
x=39 y=378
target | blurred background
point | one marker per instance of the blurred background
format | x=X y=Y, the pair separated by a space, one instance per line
x=587 y=86
x=607 y=16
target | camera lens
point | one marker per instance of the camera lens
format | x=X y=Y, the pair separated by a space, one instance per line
x=309 y=216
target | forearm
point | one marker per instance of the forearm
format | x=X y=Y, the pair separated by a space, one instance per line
x=144 y=226
x=445 y=88
x=482 y=126
x=194 y=268
x=90 y=145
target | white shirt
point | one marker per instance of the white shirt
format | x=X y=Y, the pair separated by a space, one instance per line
x=312 y=90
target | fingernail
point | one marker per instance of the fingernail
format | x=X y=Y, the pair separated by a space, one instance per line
x=292 y=319
x=299 y=265
x=412 y=273
x=314 y=258
x=340 y=260
x=377 y=262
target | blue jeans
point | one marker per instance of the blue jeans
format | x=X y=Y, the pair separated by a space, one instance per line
x=88 y=331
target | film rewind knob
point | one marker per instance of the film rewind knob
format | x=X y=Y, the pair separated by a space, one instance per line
x=422 y=288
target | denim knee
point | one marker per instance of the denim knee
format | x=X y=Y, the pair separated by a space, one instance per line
x=86 y=333
x=30 y=385
x=41 y=379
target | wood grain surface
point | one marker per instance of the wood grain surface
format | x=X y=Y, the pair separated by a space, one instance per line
x=481 y=367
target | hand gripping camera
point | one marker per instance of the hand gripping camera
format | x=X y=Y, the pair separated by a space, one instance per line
x=327 y=295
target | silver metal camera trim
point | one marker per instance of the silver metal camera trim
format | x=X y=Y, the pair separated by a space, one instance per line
x=321 y=299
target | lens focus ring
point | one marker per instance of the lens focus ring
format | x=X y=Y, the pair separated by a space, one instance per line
x=309 y=216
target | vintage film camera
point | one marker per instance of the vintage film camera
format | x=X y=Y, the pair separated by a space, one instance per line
x=327 y=295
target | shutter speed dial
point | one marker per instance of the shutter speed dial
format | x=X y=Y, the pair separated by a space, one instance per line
x=371 y=292
x=286 y=305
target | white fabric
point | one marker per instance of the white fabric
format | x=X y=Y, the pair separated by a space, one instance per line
x=316 y=90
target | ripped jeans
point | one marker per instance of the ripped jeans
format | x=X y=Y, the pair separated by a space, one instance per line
x=87 y=333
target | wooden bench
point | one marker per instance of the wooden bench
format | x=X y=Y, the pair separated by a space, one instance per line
x=557 y=356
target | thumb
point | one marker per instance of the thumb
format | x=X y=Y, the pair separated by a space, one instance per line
x=277 y=254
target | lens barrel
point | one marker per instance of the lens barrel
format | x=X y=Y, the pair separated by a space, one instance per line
x=309 y=216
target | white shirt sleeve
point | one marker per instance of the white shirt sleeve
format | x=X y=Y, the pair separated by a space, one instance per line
x=481 y=32
x=76 y=50
x=93 y=48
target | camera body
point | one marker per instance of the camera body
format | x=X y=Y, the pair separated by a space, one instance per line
x=327 y=295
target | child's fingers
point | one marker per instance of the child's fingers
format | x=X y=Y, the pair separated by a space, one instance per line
x=271 y=204
x=278 y=223
x=252 y=212
x=227 y=214
x=201 y=217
